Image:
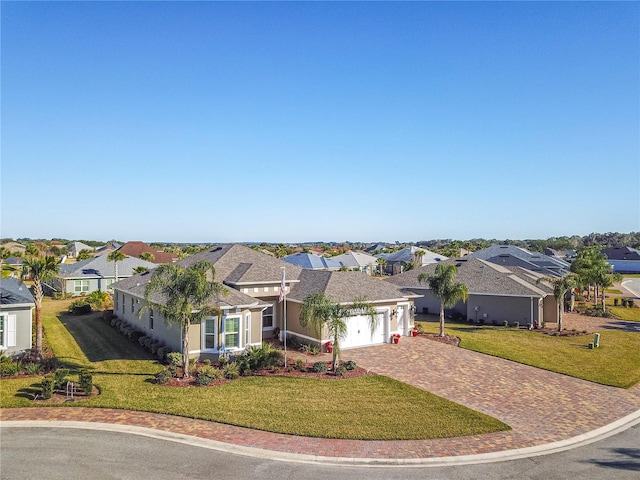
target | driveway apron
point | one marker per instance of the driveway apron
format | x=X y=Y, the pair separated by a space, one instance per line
x=540 y=406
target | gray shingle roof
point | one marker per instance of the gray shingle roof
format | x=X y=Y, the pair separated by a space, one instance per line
x=356 y=259
x=408 y=255
x=510 y=255
x=100 y=267
x=311 y=261
x=13 y=292
x=344 y=287
x=480 y=277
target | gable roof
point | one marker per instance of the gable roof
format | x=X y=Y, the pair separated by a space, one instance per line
x=100 y=267
x=480 y=277
x=311 y=261
x=77 y=247
x=135 y=249
x=345 y=287
x=14 y=292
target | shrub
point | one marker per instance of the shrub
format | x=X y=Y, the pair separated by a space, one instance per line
x=162 y=353
x=340 y=370
x=85 y=379
x=260 y=358
x=230 y=371
x=60 y=377
x=207 y=361
x=516 y=325
x=163 y=377
x=9 y=368
x=174 y=359
x=319 y=367
x=32 y=368
x=79 y=307
x=350 y=365
x=46 y=386
x=223 y=359
x=50 y=363
x=113 y=321
x=299 y=364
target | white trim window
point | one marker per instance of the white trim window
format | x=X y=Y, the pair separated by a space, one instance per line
x=210 y=333
x=81 y=286
x=7 y=331
x=247 y=329
x=232 y=332
x=267 y=317
x=107 y=284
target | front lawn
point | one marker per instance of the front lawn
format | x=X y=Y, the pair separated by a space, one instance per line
x=616 y=362
x=370 y=408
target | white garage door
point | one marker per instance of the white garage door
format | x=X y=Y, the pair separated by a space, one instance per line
x=359 y=332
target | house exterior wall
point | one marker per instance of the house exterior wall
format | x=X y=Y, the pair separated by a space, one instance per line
x=550 y=309
x=23 y=316
x=503 y=308
x=67 y=285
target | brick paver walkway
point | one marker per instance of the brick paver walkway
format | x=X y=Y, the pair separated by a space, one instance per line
x=540 y=406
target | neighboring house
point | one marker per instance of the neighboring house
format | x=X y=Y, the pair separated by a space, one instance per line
x=253 y=312
x=512 y=256
x=14 y=247
x=97 y=273
x=75 y=248
x=420 y=256
x=108 y=247
x=378 y=247
x=135 y=249
x=12 y=267
x=623 y=259
x=311 y=261
x=358 y=261
x=16 y=305
x=496 y=294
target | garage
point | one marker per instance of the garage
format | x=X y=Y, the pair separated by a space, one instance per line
x=359 y=331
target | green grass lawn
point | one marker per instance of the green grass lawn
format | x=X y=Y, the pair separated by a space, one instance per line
x=616 y=362
x=370 y=408
x=613 y=291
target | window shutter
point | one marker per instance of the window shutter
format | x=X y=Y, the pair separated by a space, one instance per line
x=11 y=330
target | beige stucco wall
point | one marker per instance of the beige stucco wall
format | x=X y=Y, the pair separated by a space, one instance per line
x=501 y=309
x=550 y=311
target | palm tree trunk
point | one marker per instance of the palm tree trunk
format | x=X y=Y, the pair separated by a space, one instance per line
x=185 y=350
x=560 y=309
x=37 y=296
x=442 y=319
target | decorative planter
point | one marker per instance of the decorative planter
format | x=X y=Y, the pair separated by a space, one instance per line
x=395 y=338
x=329 y=347
x=414 y=333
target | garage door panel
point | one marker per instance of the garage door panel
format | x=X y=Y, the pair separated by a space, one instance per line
x=359 y=332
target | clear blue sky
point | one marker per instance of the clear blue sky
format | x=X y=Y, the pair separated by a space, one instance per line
x=219 y=122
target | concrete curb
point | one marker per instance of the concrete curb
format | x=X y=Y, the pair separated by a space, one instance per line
x=599 y=434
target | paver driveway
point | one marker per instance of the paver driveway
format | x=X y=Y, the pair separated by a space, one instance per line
x=540 y=406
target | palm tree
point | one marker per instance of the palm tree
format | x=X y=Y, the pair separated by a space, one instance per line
x=443 y=285
x=148 y=256
x=6 y=270
x=189 y=295
x=39 y=269
x=382 y=262
x=319 y=311
x=115 y=257
x=139 y=269
x=100 y=300
x=560 y=286
x=84 y=254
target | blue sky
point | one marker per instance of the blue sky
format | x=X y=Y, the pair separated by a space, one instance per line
x=293 y=122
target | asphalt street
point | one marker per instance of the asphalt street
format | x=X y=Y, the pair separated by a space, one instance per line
x=68 y=453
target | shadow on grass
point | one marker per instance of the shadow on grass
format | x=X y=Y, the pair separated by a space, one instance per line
x=29 y=392
x=99 y=341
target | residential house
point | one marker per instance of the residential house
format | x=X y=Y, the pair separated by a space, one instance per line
x=512 y=256
x=358 y=261
x=16 y=307
x=253 y=310
x=74 y=248
x=496 y=294
x=135 y=249
x=623 y=259
x=311 y=261
x=96 y=273
x=419 y=256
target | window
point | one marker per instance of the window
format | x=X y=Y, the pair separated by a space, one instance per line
x=265 y=289
x=267 y=318
x=107 y=283
x=7 y=331
x=256 y=289
x=151 y=319
x=123 y=303
x=131 y=304
x=232 y=332
x=81 y=286
x=247 y=329
x=210 y=333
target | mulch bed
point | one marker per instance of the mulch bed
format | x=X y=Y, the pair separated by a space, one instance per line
x=448 y=339
x=307 y=372
x=60 y=396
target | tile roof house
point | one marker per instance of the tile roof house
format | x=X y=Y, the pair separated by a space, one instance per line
x=135 y=249
x=16 y=306
x=512 y=256
x=252 y=311
x=74 y=248
x=97 y=273
x=496 y=294
x=623 y=259
x=312 y=262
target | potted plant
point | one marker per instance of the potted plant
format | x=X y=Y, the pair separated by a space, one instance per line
x=395 y=338
x=328 y=346
x=414 y=332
